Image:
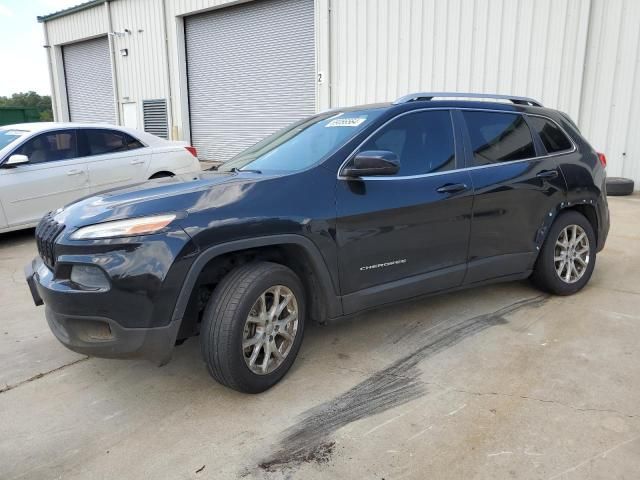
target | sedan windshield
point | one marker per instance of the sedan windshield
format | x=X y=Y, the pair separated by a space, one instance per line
x=8 y=136
x=304 y=143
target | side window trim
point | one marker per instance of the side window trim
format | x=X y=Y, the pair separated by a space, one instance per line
x=400 y=177
x=460 y=132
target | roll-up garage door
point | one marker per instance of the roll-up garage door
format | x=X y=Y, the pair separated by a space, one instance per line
x=251 y=71
x=87 y=71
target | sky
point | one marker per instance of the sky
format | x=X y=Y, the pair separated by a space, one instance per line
x=23 y=60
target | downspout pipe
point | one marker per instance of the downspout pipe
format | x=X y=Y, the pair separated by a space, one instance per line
x=172 y=134
x=54 y=97
x=114 y=76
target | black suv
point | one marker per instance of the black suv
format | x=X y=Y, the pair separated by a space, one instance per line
x=341 y=212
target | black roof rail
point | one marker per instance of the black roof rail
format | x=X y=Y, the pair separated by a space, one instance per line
x=412 y=97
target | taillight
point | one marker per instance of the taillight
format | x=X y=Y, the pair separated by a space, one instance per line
x=192 y=151
x=603 y=159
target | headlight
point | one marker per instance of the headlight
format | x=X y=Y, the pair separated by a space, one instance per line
x=124 y=228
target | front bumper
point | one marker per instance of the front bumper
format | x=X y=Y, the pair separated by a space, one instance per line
x=97 y=336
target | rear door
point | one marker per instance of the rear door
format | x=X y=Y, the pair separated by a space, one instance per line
x=517 y=189
x=405 y=235
x=53 y=177
x=114 y=158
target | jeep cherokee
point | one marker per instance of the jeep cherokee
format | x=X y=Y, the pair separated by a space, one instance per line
x=341 y=212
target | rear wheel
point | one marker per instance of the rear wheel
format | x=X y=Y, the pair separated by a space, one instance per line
x=568 y=255
x=253 y=325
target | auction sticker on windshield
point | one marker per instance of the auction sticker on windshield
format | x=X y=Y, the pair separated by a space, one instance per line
x=346 y=122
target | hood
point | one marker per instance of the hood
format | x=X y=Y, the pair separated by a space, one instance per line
x=182 y=193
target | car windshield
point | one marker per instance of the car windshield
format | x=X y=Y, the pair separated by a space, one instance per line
x=9 y=135
x=304 y=143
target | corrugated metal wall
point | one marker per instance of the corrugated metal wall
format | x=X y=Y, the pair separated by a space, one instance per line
x=83 y=24
x=382 y=49
x=610 y=116
x=580 y=56
x=142 y=74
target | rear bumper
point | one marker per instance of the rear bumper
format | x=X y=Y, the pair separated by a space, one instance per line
x=97 y=336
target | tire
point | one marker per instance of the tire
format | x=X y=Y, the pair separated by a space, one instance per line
x=545 y=275
x=225 y=325
x=618 y=186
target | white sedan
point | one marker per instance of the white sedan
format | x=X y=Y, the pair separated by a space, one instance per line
x=44 y=166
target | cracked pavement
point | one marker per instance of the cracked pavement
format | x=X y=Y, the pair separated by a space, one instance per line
x=494 y=382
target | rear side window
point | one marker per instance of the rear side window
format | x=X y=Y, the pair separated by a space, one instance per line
x=100 y=142
x=552 y=136
x=498 y=137
x=50 y=147
x=423 y=142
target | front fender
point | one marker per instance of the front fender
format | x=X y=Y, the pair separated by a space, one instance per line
x=332 y=302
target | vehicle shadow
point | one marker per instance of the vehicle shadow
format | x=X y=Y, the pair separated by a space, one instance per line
x=17 y=237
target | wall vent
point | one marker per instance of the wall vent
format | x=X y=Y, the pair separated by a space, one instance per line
x=154 y=113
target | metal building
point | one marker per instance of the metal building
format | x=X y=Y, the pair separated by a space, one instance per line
x=222 y=74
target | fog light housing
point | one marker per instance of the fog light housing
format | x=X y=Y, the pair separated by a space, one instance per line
x=89 y=277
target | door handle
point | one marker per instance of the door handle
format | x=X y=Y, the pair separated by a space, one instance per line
x=75 y=171
x=452 y=188
x=136 y=161
x=547 y=174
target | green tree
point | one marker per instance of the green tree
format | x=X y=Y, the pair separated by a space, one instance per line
x=30 y=99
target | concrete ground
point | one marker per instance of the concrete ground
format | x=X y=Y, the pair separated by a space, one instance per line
x=496 y=382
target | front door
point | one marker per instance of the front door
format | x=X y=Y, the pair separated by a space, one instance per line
x=405 y=235
x=53 y=177
x=517 y=189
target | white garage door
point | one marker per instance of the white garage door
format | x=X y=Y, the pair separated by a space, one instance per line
x=251 y=71
x=87 y=71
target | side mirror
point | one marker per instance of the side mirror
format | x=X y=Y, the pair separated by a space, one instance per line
x=373 y=162
x=15 y=160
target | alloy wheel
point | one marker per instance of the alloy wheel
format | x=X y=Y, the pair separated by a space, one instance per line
x=571 y=256
x=270 y=330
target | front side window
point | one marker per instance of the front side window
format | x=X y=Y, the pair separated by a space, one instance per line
x=498 y=137
x=304 y=143
x=552 y=136
x=50 y=147
x=423 y=142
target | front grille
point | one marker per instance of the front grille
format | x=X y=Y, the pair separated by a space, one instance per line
x=46 y=233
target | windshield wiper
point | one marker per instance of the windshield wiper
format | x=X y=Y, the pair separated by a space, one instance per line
x=236 y=170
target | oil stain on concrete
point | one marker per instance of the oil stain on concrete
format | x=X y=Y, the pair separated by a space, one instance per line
x=309 y=440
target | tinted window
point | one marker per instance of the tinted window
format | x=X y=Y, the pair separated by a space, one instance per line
x=498 y=137
x=50 y=146
x=132 y=143
x=105 y=141
x=551 y=135
x=99 y=141
x=423 y=142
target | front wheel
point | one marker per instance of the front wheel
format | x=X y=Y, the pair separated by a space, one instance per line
x=568 y=255
x=253 y=325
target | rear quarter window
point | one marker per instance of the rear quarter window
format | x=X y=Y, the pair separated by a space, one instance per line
x=552 y=136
